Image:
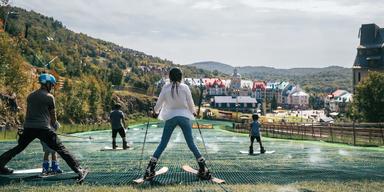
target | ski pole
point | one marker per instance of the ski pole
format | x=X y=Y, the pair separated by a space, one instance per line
x=146 y=130
x=67 y=135
x=198 y=115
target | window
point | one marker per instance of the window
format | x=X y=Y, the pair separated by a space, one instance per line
x=358 y=77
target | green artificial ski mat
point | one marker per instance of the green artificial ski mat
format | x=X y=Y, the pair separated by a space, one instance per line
x=293 y=161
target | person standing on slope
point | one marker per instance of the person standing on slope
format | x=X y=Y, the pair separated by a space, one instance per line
x=118 y=125
x=176 y=108
x=40 y=118
x=254 y=133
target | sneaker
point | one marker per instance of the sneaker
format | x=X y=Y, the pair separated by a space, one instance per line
x=56 y=168
x=5 y=171
x=262 y=150
x=45 y=166
x=82 y=174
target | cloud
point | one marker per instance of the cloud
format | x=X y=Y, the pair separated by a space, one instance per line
x=209 y=5
x=276 y=33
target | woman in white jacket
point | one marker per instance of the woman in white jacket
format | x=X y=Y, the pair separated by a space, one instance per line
x=176 y=107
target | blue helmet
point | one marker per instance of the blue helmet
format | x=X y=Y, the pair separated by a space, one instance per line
x=47 y=78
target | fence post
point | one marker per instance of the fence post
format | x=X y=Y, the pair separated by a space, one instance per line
x=370 y=135
x=354 y=132
x=313 y=131
x=382 y=135
x=330 y=131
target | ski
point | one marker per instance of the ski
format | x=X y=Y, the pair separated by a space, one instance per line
x=28 y=171
x=52 y=174
x=159 y=172
x=257 y=152
x=189 y=169
x=106 y=148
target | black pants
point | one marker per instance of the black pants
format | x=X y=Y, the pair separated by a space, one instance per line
x=121 y=132
x=255 y=137
x=47 y=136
x=258 y=139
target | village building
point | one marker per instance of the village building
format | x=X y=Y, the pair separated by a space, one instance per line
x=283 y=90
x=370 y=52
x=215 y=87
x=239 y=103
x=259 y=91
x=338 y=101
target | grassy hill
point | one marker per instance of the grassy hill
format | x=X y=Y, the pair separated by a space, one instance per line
x=317 y=80
x=86 y=67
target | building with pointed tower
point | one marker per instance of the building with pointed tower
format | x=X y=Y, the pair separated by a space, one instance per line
x=235 y=83
x=370 y=52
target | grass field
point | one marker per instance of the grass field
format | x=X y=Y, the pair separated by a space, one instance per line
x=295 y=166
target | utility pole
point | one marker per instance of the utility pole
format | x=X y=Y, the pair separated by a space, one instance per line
x=5 y=3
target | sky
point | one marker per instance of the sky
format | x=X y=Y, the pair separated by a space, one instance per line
x=272 y=33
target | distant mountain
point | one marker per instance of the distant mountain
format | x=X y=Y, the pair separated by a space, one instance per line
x=212 y=66
x=324 y=79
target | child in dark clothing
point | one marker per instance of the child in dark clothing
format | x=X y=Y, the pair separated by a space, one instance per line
x=118 y=124
x=254 y=133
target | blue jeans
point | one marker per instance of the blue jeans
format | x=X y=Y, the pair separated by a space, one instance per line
x=186 y=127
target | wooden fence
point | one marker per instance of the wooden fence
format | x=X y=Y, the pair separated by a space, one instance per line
x=354 y=134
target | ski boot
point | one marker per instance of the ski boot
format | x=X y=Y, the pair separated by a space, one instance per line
x=203 y=173
x=125 y=145
x=56 y=168
x=262 y=150
x=150 y=171
x=46 y=169
x=250 y=150
x=5 y=171
x=114 y=146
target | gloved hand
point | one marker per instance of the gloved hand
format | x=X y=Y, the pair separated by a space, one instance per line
x=56 y=125
x=155 y=115
x=20 y=131
x=195 y=115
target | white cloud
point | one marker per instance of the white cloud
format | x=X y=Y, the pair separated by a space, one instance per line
x=312 y=6
x=239 y=32
x=210 y=5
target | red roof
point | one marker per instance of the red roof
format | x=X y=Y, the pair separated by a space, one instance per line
x=339 y=93
x=258 y=85
x=209 y=83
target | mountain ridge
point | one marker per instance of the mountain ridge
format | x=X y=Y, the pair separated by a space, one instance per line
x=318 y=80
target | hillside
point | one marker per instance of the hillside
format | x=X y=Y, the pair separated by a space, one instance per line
x=86 y=67
x=317 y=80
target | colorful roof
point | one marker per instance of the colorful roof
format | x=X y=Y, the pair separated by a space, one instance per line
x=339 y=93
x=258 y=85
x=213 y=81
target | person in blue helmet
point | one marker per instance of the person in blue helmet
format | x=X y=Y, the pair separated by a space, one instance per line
x=39 y=121
x=175 y=106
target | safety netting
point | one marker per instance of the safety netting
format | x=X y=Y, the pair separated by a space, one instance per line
x=293 y=161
